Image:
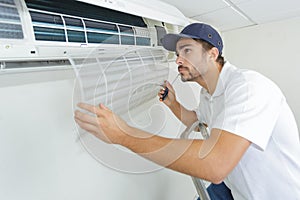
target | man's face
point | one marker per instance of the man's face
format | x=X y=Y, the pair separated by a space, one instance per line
x=192 y=59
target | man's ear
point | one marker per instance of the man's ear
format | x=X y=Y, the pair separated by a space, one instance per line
x=214 y=53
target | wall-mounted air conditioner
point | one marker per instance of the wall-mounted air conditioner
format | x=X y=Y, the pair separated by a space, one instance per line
x=40 y=34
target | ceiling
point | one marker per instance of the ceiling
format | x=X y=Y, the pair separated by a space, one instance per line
x=233 y=14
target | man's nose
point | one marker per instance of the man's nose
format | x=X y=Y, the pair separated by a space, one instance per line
x=179 y=60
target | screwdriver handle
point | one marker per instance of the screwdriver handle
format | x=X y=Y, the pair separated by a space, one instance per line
x=167 y=89
x=165 y=94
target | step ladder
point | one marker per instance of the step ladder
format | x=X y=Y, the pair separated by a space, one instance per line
x=199 y=183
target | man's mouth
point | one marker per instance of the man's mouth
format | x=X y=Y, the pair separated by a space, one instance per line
x=181 y=68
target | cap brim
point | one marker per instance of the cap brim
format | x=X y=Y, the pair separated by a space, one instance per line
x=170 y=40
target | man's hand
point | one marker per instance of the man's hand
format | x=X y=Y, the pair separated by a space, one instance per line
x=102 y=122
x=170 y=98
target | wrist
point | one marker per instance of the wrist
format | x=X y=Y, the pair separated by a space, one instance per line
x=175 y=105
x=124 y=135
x=132 y=138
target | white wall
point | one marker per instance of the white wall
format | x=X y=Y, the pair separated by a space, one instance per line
x=272 y=49
x=40 y=157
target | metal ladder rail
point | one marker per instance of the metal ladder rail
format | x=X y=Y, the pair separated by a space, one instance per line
x=199 y=184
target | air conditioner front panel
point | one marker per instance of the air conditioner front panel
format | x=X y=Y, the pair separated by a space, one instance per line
x=38 y=31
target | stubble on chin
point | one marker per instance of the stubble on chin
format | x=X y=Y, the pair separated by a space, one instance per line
x=189 y=78
x=183 y=79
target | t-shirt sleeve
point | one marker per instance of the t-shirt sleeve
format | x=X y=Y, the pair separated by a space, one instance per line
x=251 y=110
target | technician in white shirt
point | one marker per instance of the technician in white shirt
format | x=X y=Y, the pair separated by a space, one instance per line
x=254 y=141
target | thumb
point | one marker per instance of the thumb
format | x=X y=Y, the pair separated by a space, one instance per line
x=102 y=106
x=168 y=85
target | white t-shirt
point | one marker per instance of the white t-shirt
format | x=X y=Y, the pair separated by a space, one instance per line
x=248 y=104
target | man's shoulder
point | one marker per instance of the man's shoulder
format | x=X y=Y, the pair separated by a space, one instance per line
x=242 y=81
x=236 y=75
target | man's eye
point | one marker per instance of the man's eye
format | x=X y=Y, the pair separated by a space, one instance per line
x=187 y=50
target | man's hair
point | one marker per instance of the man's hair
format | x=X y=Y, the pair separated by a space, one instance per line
x=207 y=46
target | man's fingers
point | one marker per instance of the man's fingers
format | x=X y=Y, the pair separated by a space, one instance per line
x=88 y=107
x=87 y=126
x=102 y=106
x=161 y=93
x=98 y=110
x=168 y=84
x=86 y=118
x=99 y=121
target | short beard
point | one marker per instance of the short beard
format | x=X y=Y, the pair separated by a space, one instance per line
x=192 y=78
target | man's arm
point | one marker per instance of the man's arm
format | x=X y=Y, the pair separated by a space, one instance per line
x=187 y=117
x=211 y=159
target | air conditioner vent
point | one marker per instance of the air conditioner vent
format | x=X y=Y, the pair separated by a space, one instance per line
x=12 y=65
x=10 y=23
x=101 y=27
x=84 y=10
x=43 y=19
x=11 y=2
x=58 y=27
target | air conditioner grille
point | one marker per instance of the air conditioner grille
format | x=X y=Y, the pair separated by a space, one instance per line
x=11 y=31
x=101 y=27
x=84 y=10
x=11 y=2
x=44 y=19
x=74 y=23
x=49 y=34
x=10 y=23
x=57 y=27
x=102 y=38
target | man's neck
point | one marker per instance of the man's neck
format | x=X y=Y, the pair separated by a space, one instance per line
x=210 y=80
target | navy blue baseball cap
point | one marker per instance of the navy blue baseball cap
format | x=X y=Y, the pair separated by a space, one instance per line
x=196 y=31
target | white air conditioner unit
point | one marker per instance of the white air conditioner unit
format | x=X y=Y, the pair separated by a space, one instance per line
x=38 y=34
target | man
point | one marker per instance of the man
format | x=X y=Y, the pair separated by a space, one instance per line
x=254 y=141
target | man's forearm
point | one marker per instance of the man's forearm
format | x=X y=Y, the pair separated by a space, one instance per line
x=177 y=154
x=187 y=117
x=222 y=150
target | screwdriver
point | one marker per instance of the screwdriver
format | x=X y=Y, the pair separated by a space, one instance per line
x=167 y=89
